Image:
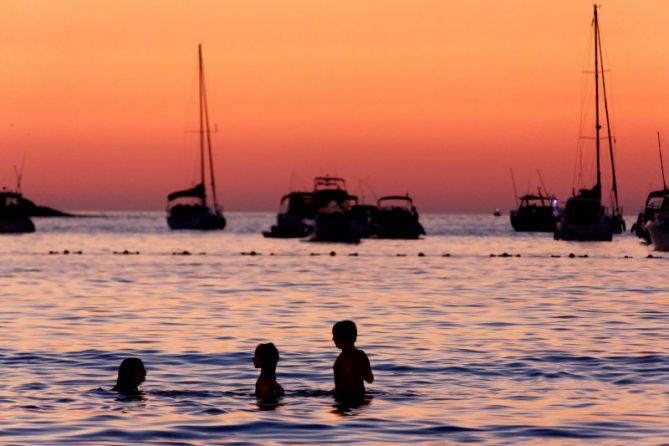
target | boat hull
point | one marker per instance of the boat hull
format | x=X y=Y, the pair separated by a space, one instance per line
x=540 y=220
x=659 y=235
x=335 y=227
x=196 y=221
x=16 y=225
x=584 y=233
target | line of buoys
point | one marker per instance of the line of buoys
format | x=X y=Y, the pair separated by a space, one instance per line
x=66 y=252
x=505 y=254
x=125 y=252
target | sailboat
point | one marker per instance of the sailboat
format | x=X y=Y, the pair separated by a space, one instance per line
x=584 y=217
x=189 y=209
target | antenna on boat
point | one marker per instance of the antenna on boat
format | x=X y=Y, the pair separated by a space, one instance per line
x=19 y=177
x=659 y=146
x=515 y=191
x=541 y=180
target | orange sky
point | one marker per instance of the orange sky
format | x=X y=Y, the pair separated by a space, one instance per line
x=435 y=97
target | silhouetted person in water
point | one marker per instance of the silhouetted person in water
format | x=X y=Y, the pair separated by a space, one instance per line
x=265 y=358
x=131 y=374
x=352 y=365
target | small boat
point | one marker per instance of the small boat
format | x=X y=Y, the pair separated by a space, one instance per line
x=536 y=213
x=333 y=220
x=584 y=217
x=654 y=203
x=13 y=217
x=188 y=209
x=397 y=218
x=658 y=227
x=497 y=212
x=296 y=217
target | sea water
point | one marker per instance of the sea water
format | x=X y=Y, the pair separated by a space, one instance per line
x=467 y=344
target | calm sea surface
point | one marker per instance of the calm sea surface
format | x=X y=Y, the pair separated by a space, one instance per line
x=536 y=348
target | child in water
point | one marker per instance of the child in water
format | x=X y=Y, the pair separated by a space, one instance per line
x=131 y=374
x=352 y=366
x=265 y=358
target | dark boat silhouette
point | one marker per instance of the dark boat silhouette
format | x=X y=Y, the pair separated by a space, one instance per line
x=535 y=213
x=333 y=220
x=656 y=201
x=13 y=217
x=658 y=226
x=584 y=217
x=296 y=217
x=188 y=209
x=397 y=218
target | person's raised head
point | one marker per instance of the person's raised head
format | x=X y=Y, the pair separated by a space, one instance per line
x=345 y=331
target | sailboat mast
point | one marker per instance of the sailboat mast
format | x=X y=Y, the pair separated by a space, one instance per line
x=608 y=127
x=659 y=146
x=208 y=133
x=201 y=92
x=597 y=125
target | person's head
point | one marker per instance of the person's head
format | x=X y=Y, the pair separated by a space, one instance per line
x=344 y=333
x=131 y=373
x=266 y=356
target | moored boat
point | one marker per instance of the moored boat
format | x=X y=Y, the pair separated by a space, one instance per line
x=13 y=218
x=584 y=217
x=296 y=217
x=189 y=209
x=536 y=213
x=397 y=218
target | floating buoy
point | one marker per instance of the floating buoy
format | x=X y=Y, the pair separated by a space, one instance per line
x=332 y=253
x=572 y=255
x=420 y=254
x=650 y=256
x=446 y=255
x=182 y=253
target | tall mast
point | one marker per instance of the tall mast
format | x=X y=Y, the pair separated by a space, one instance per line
x=201 y=91
x=608 y=127
x=208 y=132
x=659 y=146
x=598 y=127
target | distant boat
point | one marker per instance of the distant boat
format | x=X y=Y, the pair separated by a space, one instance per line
x=658 y=227
x=535 y=213
x=497 y=212
x=333 y=220
x=584 y=217
x=13 y=217
x=193 y=212
x=296 y=217
x=655 y=202
x=397 y=218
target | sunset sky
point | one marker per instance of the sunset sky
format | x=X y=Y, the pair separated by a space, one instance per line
x=437 y=98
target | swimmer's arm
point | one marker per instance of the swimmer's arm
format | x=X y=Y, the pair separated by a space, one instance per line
x=279 y=390
x=369 y=376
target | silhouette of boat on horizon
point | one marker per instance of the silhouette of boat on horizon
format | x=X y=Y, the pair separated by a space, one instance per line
x=656 y=201
x=397 y=218
x=658 y=226
x=584 y=217
x=295 y=218
x=188 y=209
x=13 y=216
x=324 y=214
x=535 y=213
x=334 y=221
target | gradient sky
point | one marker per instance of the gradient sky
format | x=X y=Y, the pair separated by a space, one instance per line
x=438 y=98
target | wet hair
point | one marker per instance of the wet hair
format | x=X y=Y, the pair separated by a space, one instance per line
x=268 y=355
x=125 y=371
x=345 y=331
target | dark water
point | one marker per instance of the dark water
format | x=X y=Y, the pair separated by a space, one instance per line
x=536 y=349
